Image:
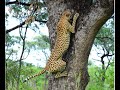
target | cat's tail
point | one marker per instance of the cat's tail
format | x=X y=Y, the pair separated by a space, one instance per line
x=38 y=74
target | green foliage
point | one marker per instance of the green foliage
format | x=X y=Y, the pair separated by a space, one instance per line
x=38 y=82
x=104 y=41
x=11 y=71
x=12 y=67
x=26 y=70
x=110 y=76
x=11 y=40
x=95 y=81
x=105 y=37
x=39 y=42
x=17 y=8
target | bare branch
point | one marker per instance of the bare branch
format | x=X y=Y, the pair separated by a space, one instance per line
x=27 y=54
x=9 y=30
x=23 y=23
x=17 y=2
x=20 y=30
x=107 y=55
x=23 y=48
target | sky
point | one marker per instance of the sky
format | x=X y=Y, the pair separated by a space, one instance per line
x=37 y=58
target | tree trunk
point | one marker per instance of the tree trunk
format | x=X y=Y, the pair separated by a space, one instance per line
x=92 y=16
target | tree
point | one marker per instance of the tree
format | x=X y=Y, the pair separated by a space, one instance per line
x=102 y=76
x=93 y=14
x=104 y=42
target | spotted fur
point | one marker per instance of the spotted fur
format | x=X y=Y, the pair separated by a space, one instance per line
x=55 y=62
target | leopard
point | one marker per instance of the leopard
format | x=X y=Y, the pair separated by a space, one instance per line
x=64 y=29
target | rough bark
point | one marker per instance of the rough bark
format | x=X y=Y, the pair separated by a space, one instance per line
x=92 y=17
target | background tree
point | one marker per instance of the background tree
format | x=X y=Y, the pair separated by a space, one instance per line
x=104 y=42
x=104 y=47
x=17 y=10
x=15 y=72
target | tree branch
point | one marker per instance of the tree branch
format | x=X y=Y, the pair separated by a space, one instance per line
x=23 y=23
x=17 y=2
x=20 y=63
x=25 y=57
x=9 y=30
x=107 y=55
x=40 y=21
